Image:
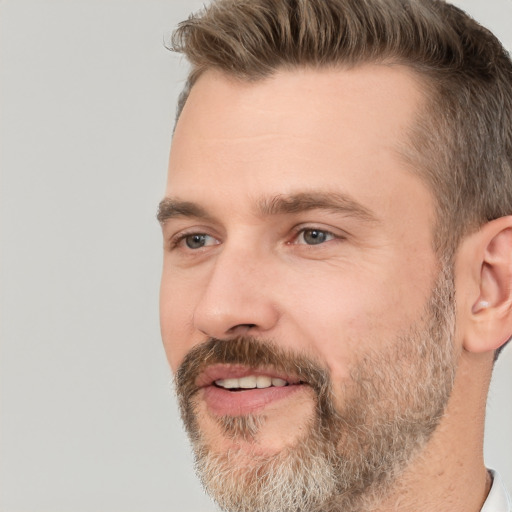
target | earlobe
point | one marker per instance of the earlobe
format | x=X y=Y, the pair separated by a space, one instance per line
x=490 y=318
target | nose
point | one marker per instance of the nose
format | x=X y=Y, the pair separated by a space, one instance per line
x=237 y=298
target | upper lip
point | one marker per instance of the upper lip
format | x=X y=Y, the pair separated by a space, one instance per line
x=227 y=371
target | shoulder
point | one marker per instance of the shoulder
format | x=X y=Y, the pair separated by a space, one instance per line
x=498 y=499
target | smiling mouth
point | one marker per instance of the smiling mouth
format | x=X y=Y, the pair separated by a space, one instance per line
x=243 y=378
x=251 y=382
x=233 y=390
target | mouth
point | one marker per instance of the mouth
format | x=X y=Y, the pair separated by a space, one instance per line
x=251 y=382
x=237 y=390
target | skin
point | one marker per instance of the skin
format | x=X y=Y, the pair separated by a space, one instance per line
x=307 y=132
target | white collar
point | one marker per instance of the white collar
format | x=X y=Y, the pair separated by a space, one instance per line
x=498 y=499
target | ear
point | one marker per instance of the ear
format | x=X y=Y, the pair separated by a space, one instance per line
x=483 y=280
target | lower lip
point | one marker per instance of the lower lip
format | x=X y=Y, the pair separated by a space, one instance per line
x=222 y=402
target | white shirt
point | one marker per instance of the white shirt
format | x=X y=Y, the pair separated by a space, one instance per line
x=498 y=499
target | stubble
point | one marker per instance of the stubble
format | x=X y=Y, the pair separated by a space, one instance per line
x=363 y=433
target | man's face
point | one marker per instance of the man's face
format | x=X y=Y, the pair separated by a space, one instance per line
x=300 y=291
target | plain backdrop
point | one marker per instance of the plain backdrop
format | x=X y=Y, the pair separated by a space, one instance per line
x=88 y=420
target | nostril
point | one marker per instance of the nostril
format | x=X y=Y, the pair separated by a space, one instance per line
x=242 y=327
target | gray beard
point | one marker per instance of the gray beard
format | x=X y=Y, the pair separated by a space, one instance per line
x=350 y=456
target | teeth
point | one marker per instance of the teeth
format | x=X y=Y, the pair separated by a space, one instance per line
x=228 y=383
x=278 y=383
x=247 y=382
x=263 y=382
x=251 y=382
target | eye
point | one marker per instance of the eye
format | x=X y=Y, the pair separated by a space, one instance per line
x=193 y=241
x=314 y=236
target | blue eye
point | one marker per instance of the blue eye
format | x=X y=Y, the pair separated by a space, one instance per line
x=195 y=241
x=314 y=236
x=192 y=241
x=199 y=240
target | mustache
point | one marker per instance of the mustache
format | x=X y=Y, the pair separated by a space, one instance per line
x=253 y=353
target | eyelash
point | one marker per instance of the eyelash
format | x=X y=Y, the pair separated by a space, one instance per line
x=304 y=229
x=180 y=238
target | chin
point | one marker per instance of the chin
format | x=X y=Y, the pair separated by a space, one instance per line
x=274 y=428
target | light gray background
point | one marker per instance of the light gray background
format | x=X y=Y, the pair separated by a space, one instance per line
x=88 y=421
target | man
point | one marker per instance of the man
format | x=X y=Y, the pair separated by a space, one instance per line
x=337 y=276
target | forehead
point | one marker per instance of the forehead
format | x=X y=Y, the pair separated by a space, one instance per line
x=298 y=130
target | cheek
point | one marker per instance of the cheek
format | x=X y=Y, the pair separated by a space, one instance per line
x=174 y=338
x=344 y=315
x=177 y=302
x=335 y=328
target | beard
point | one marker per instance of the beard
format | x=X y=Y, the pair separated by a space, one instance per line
x=363 y=434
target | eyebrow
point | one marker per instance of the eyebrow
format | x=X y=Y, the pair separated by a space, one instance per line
x=170 y=208
x=306 y=201
x=278 y=205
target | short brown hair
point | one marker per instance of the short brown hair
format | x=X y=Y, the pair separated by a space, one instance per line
x=461 y=144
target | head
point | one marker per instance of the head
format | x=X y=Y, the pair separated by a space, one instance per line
x=330 y=159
